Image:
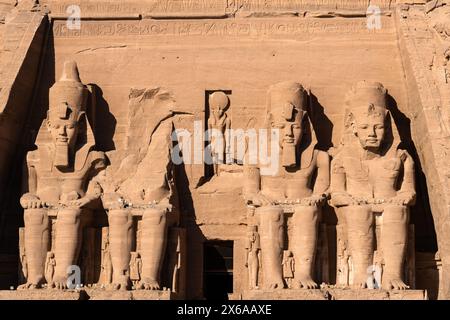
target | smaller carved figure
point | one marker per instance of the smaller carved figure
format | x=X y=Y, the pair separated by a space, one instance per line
x=288 y=267
x=253 y=247
x=50 y=264
x=218 y=126
x=135 y=268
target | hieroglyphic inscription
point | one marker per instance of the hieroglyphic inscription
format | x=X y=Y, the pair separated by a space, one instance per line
x=238 y=27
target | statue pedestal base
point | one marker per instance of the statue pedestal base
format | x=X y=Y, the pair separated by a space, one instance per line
x=354 y=294
x=101 y=294
x=42 y=294
x=333 y=294
x=284 y=294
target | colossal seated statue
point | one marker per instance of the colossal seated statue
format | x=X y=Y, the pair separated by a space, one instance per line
x=301 y=180
x=371 y=174
x=142 y=192
x=60 y=182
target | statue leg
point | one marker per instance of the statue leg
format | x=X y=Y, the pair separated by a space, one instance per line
x=360 y=235
x=67 y=244
x=271 y=230
x=120 y=238
x=303 y=243
x=36 y=246
x=153 y=244
x=394 y=236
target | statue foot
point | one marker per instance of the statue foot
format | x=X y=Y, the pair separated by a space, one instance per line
x=59 y=284
x=359 y=285
x=149 y=284
x=275 y=285
x=119 y=286
x=29 y=286
x=394 y=284
x=306 y=282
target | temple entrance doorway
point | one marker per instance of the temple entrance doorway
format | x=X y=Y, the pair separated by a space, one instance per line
x=217 y=269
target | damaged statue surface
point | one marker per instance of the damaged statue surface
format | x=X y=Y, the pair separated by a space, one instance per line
x=142 y=186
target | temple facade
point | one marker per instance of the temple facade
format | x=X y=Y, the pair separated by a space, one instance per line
x=224 y=149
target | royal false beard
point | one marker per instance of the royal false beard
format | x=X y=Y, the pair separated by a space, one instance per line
x=289 y=155
x=61 y=155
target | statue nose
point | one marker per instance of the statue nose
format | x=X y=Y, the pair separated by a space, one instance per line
x=288 y=131
x=62 y=131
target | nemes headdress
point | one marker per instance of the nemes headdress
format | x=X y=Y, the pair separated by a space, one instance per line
x=367 y=98
x=67 y=97
x=286 y=91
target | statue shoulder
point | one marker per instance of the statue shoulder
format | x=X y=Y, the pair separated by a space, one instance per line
x=97 y=159
x=404 y=155
x=32 y=157
x=322 y=157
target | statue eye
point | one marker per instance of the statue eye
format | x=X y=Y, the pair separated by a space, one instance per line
x=70 y=126
x=379 y=127
x=279 y=125
x=363 y=126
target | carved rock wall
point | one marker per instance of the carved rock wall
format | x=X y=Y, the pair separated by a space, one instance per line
x=241 y=48
x=22 y=37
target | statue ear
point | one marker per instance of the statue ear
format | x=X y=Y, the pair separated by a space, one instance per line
x=47 y=120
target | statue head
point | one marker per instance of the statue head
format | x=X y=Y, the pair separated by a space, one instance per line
x=366 y=114
x=66 y=111
x=218 y=102
x=287 y=104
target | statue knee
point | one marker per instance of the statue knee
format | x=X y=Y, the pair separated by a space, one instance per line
x=69 y=216
x=270 y=213
x=119 y=217
x=306 y=214
x=396 y=214
x=360 y=213
x=35 y=217
x=154 y=216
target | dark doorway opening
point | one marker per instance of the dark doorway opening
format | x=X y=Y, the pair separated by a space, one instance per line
x=217 y=269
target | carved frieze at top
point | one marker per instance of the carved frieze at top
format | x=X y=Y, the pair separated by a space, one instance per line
x=160 y=9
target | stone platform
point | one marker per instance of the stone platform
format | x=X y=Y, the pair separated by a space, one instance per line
x=333 y=294
x=85 y=294
x=100 y=294
x=42 y=294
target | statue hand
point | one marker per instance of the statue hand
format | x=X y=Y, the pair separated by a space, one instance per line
x=164 y=204
x=31 y=201
x=403 y=199
x=340 y=199
x=314 y=200
x=260 y=200
x=80 y=203
x=113 y=201
x=360 y=201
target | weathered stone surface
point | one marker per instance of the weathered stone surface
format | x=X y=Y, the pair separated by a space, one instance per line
x=99 y=294
x=43 y=294
x=107 y=106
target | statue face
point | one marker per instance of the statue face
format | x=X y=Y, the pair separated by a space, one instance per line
x=370 y=130
x=63 y=131
x=219 y=111
x=289 y=123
